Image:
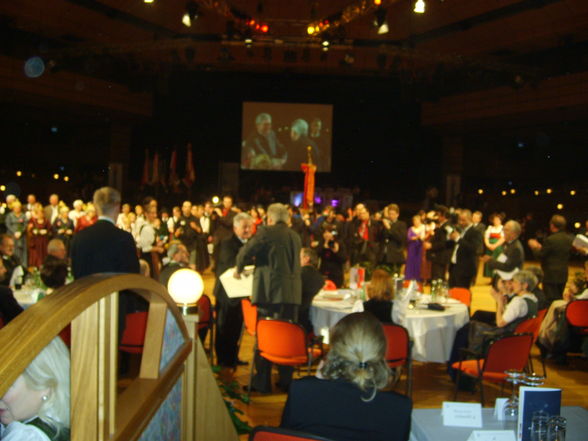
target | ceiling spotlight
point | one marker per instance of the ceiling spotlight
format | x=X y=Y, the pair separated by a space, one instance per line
x=380 y=21
x=310 y=30
x=560 y=206
x=548 y=191
x=419 y=7
x=536 y=192
x=512 y=191
x=377 y=2
x=503 y=192
x=572 y=192
x=56 y=176
x=577 y=225
x=19 y=173
x=191 y=14
x=66 y=178
x=2 y=187
x=480 y=191
x=326 y=43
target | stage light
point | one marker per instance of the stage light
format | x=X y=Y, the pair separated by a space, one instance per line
x=248 y=42
x=56 y=176
x=147 y=1
x=310 y=29
x=548 y=191
x=377 y=2
x=572 y=192
x=2 y=187
x=536 y=192
x=559 y=206
x=215 y=200
x=66 y=178
x=577 y=225
x=480 y=191
x=380 y=21
x=18 y=173
x=265 y=29
x=419 y=6
x=503 y=192
x=512 y=191
x=326 y=43
x=191 y=14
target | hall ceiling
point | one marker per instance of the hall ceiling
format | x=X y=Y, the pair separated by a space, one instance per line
x=455 y=45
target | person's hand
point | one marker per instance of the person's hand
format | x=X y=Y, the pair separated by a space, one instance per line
x=568 y=296
x=485 y=258
x=454 y=236
x=17 y=234
x=534 y=244
x=7 y=416
x=427 y=245
x=237 y=274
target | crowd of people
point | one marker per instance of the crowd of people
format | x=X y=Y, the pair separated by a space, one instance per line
x=295 y=251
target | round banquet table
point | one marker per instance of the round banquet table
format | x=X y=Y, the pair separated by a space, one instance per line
x=432 y=332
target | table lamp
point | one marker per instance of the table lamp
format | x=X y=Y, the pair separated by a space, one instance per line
x=186 y=286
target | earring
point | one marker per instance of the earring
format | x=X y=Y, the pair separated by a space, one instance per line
x=44 y=398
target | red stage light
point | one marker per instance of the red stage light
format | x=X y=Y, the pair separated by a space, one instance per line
x=264 y=28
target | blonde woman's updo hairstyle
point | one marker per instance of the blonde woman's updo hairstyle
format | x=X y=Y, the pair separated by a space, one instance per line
x=358 y=348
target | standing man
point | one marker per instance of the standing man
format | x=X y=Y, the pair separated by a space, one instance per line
x=312 y=282
x=52 y=210
x=9 y=259
x=479 y=226
x=462 y=269
x=229 y=315
x=439 y=249
x=394 y=233
x=554 y=255
x=187 y=230
x=277 y=286
x=513 y=255
x=104 y=248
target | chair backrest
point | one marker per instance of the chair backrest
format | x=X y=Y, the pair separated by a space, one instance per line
x=532 y=325
x=249 y=316
x=281 y=338
x=330 y=285
x=462 y=294
x=397 y=344
x=508 y=352
x=265 y=433
x=577 y=313
x=204 y=312
x=133 y=336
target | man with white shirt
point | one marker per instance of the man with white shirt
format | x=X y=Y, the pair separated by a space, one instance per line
x=229 y=314
x=148 y=242
x=467 y=239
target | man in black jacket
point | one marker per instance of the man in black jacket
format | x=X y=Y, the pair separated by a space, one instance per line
x=393 y=239
x=440 y=248
x=312 y=283
x=554 y=255
x=513 y=255
x=229 y=315
x=463 y=268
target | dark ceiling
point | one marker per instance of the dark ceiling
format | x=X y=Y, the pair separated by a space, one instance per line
x=456 y=45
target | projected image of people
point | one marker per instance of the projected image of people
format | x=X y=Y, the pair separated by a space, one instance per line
x=262 y=150
x=299 y=143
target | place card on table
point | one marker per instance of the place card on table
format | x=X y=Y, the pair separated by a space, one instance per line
x=462 y=414
x=492 y=435
x=499 y=408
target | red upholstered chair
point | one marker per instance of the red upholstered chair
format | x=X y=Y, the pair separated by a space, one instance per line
x=206 y=323
x=65 y=335
x=462 y=294
x=398 y=351
x=507 y=352
x=133 y=336
x=577 y=316
x=249 y=316
x=532 y=326
x=283 y=342
x=330 y=285
x=265 y=433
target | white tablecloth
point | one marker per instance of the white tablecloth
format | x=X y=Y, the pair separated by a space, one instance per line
x=26 y=297
x=432 y=332
x=427 y=425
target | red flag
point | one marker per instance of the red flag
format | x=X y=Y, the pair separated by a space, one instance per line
x=145 y=177
x=190 y=176
x=309 y=171
x=155 y=176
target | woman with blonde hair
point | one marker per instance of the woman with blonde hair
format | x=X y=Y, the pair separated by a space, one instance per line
x=380 y=293
x=36 y=406
x=345 y=401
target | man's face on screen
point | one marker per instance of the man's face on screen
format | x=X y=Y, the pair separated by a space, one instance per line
x=264 y=127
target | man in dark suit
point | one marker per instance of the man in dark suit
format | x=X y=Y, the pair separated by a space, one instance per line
x=312 y=282
x=229 y=315
x=9 y=307
x=554 y=255
x=104 y=248
x=9 y=260
x=277 y=285
x=513 y=255
x=463 y=267
x=478 y=225
x=393 y=239
x=440 y=248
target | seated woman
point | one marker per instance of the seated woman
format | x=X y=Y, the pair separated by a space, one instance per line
x=553 y=336
x=346 y=402
x=36 y=407
x=380 y=293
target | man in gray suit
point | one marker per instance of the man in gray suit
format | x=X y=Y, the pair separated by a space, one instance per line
x=277 y=283
x=513 y=255
x=554 y=255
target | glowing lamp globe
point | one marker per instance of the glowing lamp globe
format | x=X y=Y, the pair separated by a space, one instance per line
x=186 y=286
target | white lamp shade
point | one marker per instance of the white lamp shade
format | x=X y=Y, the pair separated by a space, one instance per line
x=185 y=286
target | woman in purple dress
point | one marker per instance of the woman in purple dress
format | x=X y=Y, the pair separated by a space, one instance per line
x=416 y=235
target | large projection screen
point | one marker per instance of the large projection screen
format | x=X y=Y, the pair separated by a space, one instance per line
x=276 y=136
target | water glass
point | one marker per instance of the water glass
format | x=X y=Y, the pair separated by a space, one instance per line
x=539 y=426
x=557 y=429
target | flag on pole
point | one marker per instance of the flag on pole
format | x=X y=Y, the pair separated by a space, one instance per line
x=190 y=176
x=155 y=175
x=145 y=177
x=174 y=181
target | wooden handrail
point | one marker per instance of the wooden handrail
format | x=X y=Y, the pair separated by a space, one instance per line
x=97 y=412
